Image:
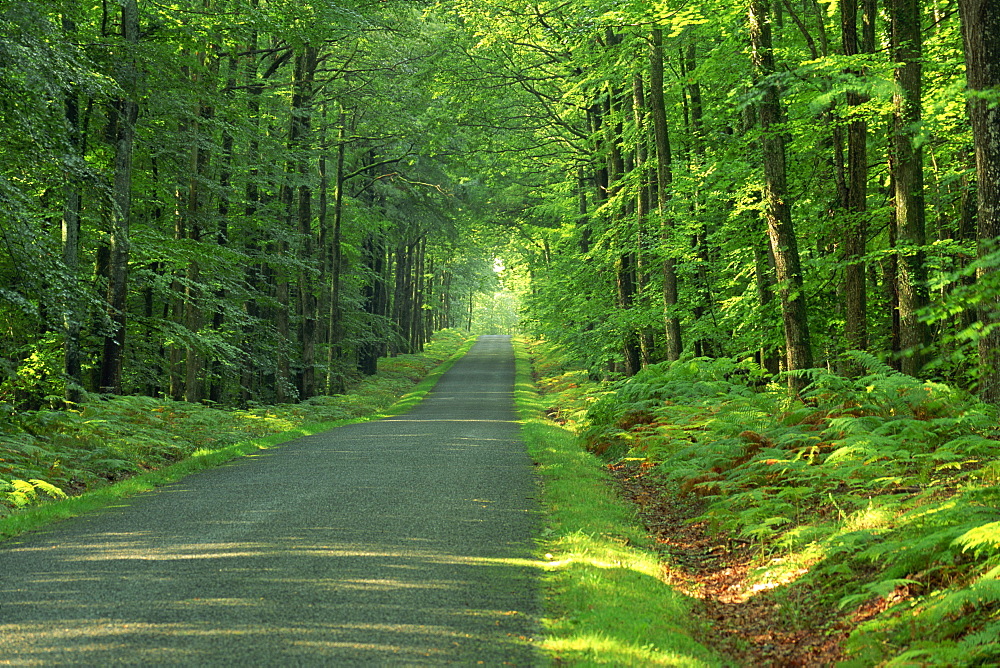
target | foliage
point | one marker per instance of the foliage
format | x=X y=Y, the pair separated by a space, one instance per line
x=884 y=488
x=607 y=604
x=229 y=282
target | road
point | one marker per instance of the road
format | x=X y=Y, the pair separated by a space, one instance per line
x=404 y=541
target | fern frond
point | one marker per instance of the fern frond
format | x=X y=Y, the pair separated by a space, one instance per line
x=47 y=487
x=872 y=364
x=981 y=540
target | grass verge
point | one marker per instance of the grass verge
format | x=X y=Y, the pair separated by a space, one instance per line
x=38 y=516
x=606 y=602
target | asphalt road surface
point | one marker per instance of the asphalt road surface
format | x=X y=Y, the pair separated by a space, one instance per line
x=405 y=541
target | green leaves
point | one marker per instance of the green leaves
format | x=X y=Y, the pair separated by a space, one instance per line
x=982 y=541
x=21 y=493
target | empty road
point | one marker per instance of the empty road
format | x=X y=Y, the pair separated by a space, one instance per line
x=405 y=541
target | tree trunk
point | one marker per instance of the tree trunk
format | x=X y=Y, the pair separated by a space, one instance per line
x=335 y=381
x=856 y=185
x=619 y=218
x=192 y=291
x=981 y=35
x=704 y=304
x=784 y=245
x=250 y=367
x=664 y=180
x=417 y=297
x=908 y=177
x=643 y=204
x=124 y=112
x=222 y=239
x=305 y=68
x=71 y=244
x=373 y=254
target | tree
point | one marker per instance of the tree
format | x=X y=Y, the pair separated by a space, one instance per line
x=981 y=37
x=777 y=212
x=664 y=184
x=855 y=199
x=908 y=181
x=123 y=115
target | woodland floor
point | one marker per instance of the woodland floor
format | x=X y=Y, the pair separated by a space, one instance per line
x=742 y=622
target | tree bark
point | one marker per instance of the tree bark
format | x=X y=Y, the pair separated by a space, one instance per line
x=664 y=180
x=981 y=35
x=195 y=207
x=780 y=230
x=222 y=239
x=250 y=368
x=335 y=380
x=373 y=254
x=71 y=244
x=125 y=112
x=643 y=203
x=908 y=177
x=856 y=183
x=302 y=99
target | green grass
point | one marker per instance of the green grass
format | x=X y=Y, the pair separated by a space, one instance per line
x=606 y=603
x=31 y=502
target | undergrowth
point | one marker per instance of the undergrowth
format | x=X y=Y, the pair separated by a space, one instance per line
x=606 y=603
x=880 y=494
x=50 y=454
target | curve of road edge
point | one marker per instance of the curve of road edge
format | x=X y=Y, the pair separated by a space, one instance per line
x=404 y=541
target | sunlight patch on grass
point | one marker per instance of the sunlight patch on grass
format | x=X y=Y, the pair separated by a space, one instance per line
x=606 y=601
x=600 y=649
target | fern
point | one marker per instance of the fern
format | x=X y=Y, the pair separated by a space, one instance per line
x=983 y=644
x=983 y=540
x=954 y=604
x=20 y=493
x=875 y=367
x=879 y=589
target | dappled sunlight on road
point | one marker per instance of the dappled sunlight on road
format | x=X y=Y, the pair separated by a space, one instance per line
x=261 y=588
x=402 y=541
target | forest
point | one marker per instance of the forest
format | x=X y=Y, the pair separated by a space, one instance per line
x=722 y=213
x=251 y=201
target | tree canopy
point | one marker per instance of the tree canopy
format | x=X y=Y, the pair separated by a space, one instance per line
x=245 y=201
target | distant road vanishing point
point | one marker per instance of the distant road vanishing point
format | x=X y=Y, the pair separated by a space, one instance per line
x=404 y=541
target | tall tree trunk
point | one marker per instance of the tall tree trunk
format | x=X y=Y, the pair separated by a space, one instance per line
x=222 y=238
x=620 y=217
x=175 y=308
x=908 y=177
x=71 y=243
x=981 y=35
x=703 y=307
x=784 y=245
x=125 y=112
x=196 y=196
x=400 y=301
x=664 y=181
x=643 y=204
x=430 y=292
x=305 y=67
x=250 y=367
x=417 y=299
x=856 y=183
x=373 y=255
x=763 y=266
x=335 y=381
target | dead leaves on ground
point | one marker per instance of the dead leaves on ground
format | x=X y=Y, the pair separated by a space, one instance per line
x=745 y=621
